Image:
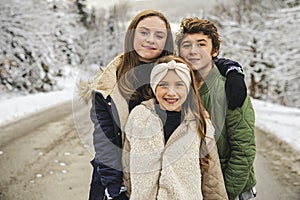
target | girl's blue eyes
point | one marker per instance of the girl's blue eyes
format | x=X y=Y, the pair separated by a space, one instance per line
x=163 y=85
x=167 y=85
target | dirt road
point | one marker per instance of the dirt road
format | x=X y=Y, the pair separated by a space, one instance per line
x=45 y=160
x=43 y=157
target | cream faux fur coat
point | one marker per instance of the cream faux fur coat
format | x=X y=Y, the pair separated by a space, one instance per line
x=160 y=171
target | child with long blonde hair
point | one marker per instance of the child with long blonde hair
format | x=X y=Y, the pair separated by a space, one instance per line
x=166 y=135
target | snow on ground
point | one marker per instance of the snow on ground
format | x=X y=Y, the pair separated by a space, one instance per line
x=18 y=107
x=283 y=122
x=279 y=120
x=14 y=106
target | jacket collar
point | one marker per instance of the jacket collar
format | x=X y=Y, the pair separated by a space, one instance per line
x=103 y=82
x=209 y=80
x=107 y=80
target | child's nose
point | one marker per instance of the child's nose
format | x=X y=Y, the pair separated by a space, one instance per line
x=194 y=48
x=171 y=91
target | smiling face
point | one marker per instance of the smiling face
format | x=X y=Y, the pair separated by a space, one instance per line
x=197 y=49
x=149 y=38
x=171 y=92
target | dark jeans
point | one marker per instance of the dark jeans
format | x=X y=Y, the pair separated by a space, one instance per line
x=96 y=187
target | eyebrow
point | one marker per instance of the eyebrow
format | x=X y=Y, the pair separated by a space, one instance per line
x=142 y=27
x=201 y=40
x=181 y=81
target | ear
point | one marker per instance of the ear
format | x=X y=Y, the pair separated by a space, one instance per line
x=215 y=54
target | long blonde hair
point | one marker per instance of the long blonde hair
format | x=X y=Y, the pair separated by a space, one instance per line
x=129 y=59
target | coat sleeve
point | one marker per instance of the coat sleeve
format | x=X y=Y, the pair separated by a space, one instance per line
x=213 y=186
x=143 y=133
x=240 y=128
x=107 y=145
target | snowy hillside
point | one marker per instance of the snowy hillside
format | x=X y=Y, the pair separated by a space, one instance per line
x=39 y=38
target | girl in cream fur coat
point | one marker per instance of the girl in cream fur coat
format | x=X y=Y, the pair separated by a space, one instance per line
x=165 y=137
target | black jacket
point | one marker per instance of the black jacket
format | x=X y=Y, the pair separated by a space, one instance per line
x=107 y=142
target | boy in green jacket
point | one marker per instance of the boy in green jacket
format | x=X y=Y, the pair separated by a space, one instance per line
x=198 y=42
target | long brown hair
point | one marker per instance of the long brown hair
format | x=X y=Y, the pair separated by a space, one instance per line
x=129 y=59
x=193 y=104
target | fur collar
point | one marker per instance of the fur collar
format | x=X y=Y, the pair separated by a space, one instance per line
x=104 y=81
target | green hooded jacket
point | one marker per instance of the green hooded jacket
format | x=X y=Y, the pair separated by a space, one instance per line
x=234 y=134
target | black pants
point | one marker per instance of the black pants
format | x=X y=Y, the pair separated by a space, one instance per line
x=96 y=187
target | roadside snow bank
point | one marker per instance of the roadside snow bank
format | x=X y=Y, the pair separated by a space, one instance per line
x=281 y=121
